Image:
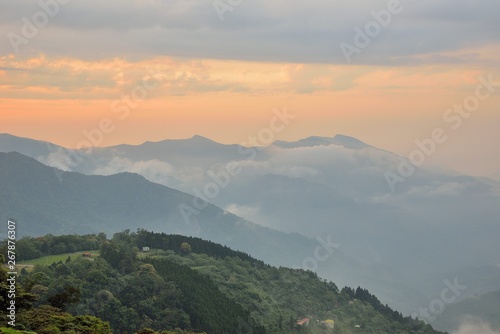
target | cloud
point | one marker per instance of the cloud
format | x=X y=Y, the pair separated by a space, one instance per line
x=153 y=170
x=245 y=211
x=473 y=325
x=438 y=189
x=73 y=78
x=57 y=158
x=259 y=30
x=359 y=173
x=355 y=173
x=69 y=78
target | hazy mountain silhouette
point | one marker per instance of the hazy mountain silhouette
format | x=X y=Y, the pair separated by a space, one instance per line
x=433 y=225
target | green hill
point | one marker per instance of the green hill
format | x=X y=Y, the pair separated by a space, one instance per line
x=45 y=200
x=187 y=284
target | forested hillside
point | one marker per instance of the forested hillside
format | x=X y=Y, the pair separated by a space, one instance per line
x=145 y=282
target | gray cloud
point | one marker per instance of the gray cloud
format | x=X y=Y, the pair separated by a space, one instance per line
x=472 y=325
x=292 y=31
x=13 y=69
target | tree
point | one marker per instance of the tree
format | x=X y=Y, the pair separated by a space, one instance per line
x=49 y=320
x=70 y=295
x=185 y=248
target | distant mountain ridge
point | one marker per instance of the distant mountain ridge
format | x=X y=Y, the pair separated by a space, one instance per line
x=341 y=140
x=45 y=200
x=18 y=144
x=29 y=147
x=484 y=308
x=320 y=187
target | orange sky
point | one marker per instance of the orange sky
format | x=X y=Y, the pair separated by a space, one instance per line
x=56 y=99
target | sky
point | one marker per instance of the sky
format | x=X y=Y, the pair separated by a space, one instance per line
x=390 y=73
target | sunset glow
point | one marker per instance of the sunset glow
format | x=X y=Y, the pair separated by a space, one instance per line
x=56 y=94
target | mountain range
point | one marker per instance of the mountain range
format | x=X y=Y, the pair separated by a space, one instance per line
x=46 y=200
x=436 y=225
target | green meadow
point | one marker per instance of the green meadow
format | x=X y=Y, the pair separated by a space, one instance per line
x=48 y=260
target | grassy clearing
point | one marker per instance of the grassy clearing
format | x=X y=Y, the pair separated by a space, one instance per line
x=8 y=330
x=48 y=260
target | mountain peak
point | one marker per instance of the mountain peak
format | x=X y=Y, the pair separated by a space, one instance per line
x=199 y=138
x=349 y=142
x=341 y=140
x=29 y=147
x=196 y=139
